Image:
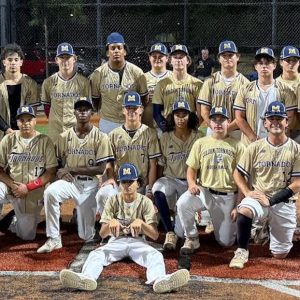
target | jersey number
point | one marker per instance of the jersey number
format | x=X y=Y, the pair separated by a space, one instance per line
x=38 y=171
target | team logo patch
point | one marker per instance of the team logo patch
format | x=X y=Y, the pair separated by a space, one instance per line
x=227 y=46
x=131 y=98
x=276 y=108
x=25 y=109
x=181 y=104
x=127 y=171
x=292 y=51
x=178 y=47
x=157 y=47
x=218 y=109
x=264 y=50
x=65 y=48
x=218 y=158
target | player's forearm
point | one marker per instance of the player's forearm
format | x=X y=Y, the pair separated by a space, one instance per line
x=104 y=231
x=245 y=128
x=241 y=182
x=96 y=103
x=6 y=179
x=109 y=170
x=152 y=175
x=233 y=126
x=205 y=114
x=150 y=231
x=191 y=176
x=48 y=175
x=88 y=171
x=292 y=119
x=145 y=99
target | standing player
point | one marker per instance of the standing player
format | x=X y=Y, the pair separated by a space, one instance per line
x=132 y=142
x=176 y=144
x=112 y=80
x=223 y=86
x=253 y=98
x=158 y=57
x=82 y=152
x=126 y=218
x=16 y=89
x=61 y=90
x=27 y=164
x=214 y=158
x=179 y=85
x=272 y=165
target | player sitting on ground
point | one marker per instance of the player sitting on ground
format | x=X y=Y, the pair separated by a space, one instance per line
x=126 y=217
x=27 y=164
x=272 y=165
x=214 y=158
x=176 y=144
x=132 y=142
x=82 y=152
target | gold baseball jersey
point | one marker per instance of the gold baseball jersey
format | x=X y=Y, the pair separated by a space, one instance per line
x=141 y=208
x=269 y=167
x=29 y=96
x=247 y=99
x=26 y=162
x=175 y=153
x=216 y=160
x=168 y=90
x=215 y=91
x=110 y=88
x=61 y=95
x=137 y=150
x=73 y=151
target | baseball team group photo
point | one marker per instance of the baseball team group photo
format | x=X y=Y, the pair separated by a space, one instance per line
x=184 y=172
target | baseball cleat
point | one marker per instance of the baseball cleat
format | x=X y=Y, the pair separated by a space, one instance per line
x=170 y=241
x=172 y=281
x=240 y=258
x=209 y=227
x=50 y=245
x=190 y=245
x=70 y=279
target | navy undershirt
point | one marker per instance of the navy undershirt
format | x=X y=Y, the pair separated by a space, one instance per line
x=14 y=100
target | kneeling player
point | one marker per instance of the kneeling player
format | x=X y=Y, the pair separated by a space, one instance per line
x=126 y=217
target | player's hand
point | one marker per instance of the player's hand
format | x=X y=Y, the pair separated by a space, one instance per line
x=194 y=189
x=114 y=227
x=260 y=197
x=150 y=196
x=9 y=130
x=64 y=174
x=20 y=190
x=233 y=214
x=108 y=182
x=136 y=227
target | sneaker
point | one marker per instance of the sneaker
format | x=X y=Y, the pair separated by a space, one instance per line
x=190 y=245
x=209 y=227
x=78 y=281
x=172 y=281
x=170 y=241
x=50 y=245
x=240 y=258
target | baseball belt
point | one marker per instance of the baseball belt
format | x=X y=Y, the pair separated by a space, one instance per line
x=222 y=193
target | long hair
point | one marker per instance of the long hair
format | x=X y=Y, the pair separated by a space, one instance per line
x=193 y=122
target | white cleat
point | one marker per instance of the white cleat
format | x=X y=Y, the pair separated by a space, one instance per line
x=50 y=245
x=70 y=279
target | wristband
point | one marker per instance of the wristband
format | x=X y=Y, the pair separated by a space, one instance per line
x=281 y=196
x=34 y=184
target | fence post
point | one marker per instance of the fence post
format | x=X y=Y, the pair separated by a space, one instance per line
x=3 y=22
x=274 y=23
x=99 y=31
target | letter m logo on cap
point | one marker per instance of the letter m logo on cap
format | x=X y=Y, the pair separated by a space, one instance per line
x=218 y=110
x=157 y=47
x=126 y=171
x=264 y=50
x=227 y=46
x=181 y=104
x=64 y=48
x=275 y=108
x=292 y=51
x=178 y=47
x=131 y=97
x=25 y=109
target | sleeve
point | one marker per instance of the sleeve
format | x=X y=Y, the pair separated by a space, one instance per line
x=51 y=160
x=3 y=152
x=3 y=125
x=296 y=165
x=33 y=98
x=244 y=164
x=108 y=212
x=87 y=90
x=194 y=158
x=104 y=150
x=154 y=149
x=239 y=103
x=95 y=84
x=240 y=151
x=290 y=100
x=162 y=160
x=205 y=95
x=149 y=214
x=46 y=99
x=158 y=94
x=142 y=87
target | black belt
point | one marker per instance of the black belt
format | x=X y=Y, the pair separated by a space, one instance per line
x=182 y=179
x=221 y=193
x=84 y=178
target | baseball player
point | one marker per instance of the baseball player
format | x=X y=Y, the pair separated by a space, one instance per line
x=83 y=152
x=253 y=98
x=27 y=164
x=176 y=144
x=132 y=142
x=16 y=89
x=158 y=58
x=214 y=158
x=112 y=80
x=272 y=165
x=61 y=90
x=222 y=87
x=127 y=216
x=178 y=85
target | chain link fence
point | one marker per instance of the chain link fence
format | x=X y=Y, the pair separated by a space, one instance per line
x=86 y=24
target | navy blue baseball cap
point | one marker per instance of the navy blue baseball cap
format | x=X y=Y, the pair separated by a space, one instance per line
x=276 y=108
x=115 y=38
x=26 y=109
x=160 y=48
x=64 y=49
x=128 y=172
x=227 y=46
x=179 y=48
x=264 y=52
x=132 y=99
x=289 y=51
x=219 y=110
x=181 y=105
x=83 y=101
